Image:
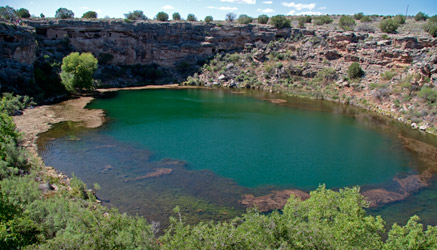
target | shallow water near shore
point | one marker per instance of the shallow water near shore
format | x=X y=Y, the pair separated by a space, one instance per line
x=203 y=149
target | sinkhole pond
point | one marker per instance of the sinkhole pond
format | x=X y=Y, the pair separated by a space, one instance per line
x=203 y=150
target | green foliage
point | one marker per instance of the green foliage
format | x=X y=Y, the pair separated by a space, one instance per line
x=321 y=20
x=7 y=12
x=89 y=14
x=366 y=19
x=358 y=16
x=13 y=105
x=23 y=13
x=354 y=71
x=208 y=19
x=244 y=19
x=347 y=23
x=326 y=75
x=162 y=16
x=400 y=19
x=429 y=94
x=420 y=16
x=303 y=20
x=230 y=17
x=63 y=13
x=176 y=16
x=431 y=26
x=77 y=71
x=280 y=21
x=191 y=18
x=388 y=75
x=135 y=15
x=263 y=19
x=412 y=236
x=388 y=25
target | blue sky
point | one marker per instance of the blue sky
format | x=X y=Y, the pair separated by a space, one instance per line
x=219 y=8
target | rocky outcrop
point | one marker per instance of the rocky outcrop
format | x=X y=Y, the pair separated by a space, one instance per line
x=273 y=201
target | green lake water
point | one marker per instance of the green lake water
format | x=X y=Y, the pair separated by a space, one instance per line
x=221 y=145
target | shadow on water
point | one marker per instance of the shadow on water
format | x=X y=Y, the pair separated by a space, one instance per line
x=138 y=177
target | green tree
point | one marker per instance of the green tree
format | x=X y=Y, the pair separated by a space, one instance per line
x=400 y=19
x=63 y=13
x=230 y=17
x=388 y=25
x=208 y=19
x=42 y=15
x=354 y=71
x=7 y=12
x=280 y=21
x=89 y=14
x=346 y=23
x=77 y=71
x=136 y=15
x=420 y=16
x=431 y=26
x=191 y=18
x=366 y=19
x=244 y=19
x=263 y=19
x=162 y=16
x=176 y=16
x=358 y=16
x=23 y=13
x=321 y=20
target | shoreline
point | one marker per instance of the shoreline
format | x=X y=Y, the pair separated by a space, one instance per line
x=40 y=119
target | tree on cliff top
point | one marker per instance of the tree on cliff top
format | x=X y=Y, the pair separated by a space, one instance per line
x=89 y=14
x=176 y=16
x=23 y=13
x=280 y=21
x=162 y=16
x=7 y=12
x=191 y=18
x=77 y=71
x=136 y=15
x=63 y=13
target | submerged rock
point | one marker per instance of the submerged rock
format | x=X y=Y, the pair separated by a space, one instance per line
x=273 y=201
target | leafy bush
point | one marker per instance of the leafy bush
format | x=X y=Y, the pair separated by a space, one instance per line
x=23 y=13
x=263 y=19
x=358 y=16
x=7 y=12
x=429 y=94
x=420 y=16
x=176 y=16
x=63 y=13
x=13 y=105
x=347 y=23
x=135 y=15
x=431 y=26
x=280 y=21
x=388 y=25
x=321 y=20
x=208 y=19
x=77 y=71
x=303 y=20
x=89 y=14
x=400 y=19
x=230 y=17
x=354 y=71
x=191 y=18
x=244 y=19
x=366 y=19
x=162 y=16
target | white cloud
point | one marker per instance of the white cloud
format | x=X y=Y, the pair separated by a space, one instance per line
x=223 y=8
x=98 y=11
x=299 y=6
x=167 y=7
x=265 y=10
x=268 y=2
x=240 y=1
x=84 y=8
x=291 y=13
x=315 y=13
x=322 y=8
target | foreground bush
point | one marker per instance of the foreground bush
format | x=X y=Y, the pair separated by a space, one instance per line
x=388 y=25
x=280 y=21
x=77 y=71
x=347 y=23
x=431 y=26
x=421 y=17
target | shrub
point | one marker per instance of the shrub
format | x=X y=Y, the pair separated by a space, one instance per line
x=13 y=105
x=400 y=19
x=263 y=19
x=280 y=22
x=431 y=26
x=347 y=23
x=230 y=17
x=89 y=14
x=23 y=13
x=388 y=75
x=7 y=12
x=326 y=76
x=77 y=71
x=365 y=27
x=176 y=16
x=366 y=19
x=429 y=94
x=358 y=16
x=388 y=25
x=321 y=20
x=135 y=15
x=354 y=71
x=421 y=17
x=303 y=20
x=63 y=13
x=208 y=19
x=162 y=16
x=191 y=18
x=244 y=19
